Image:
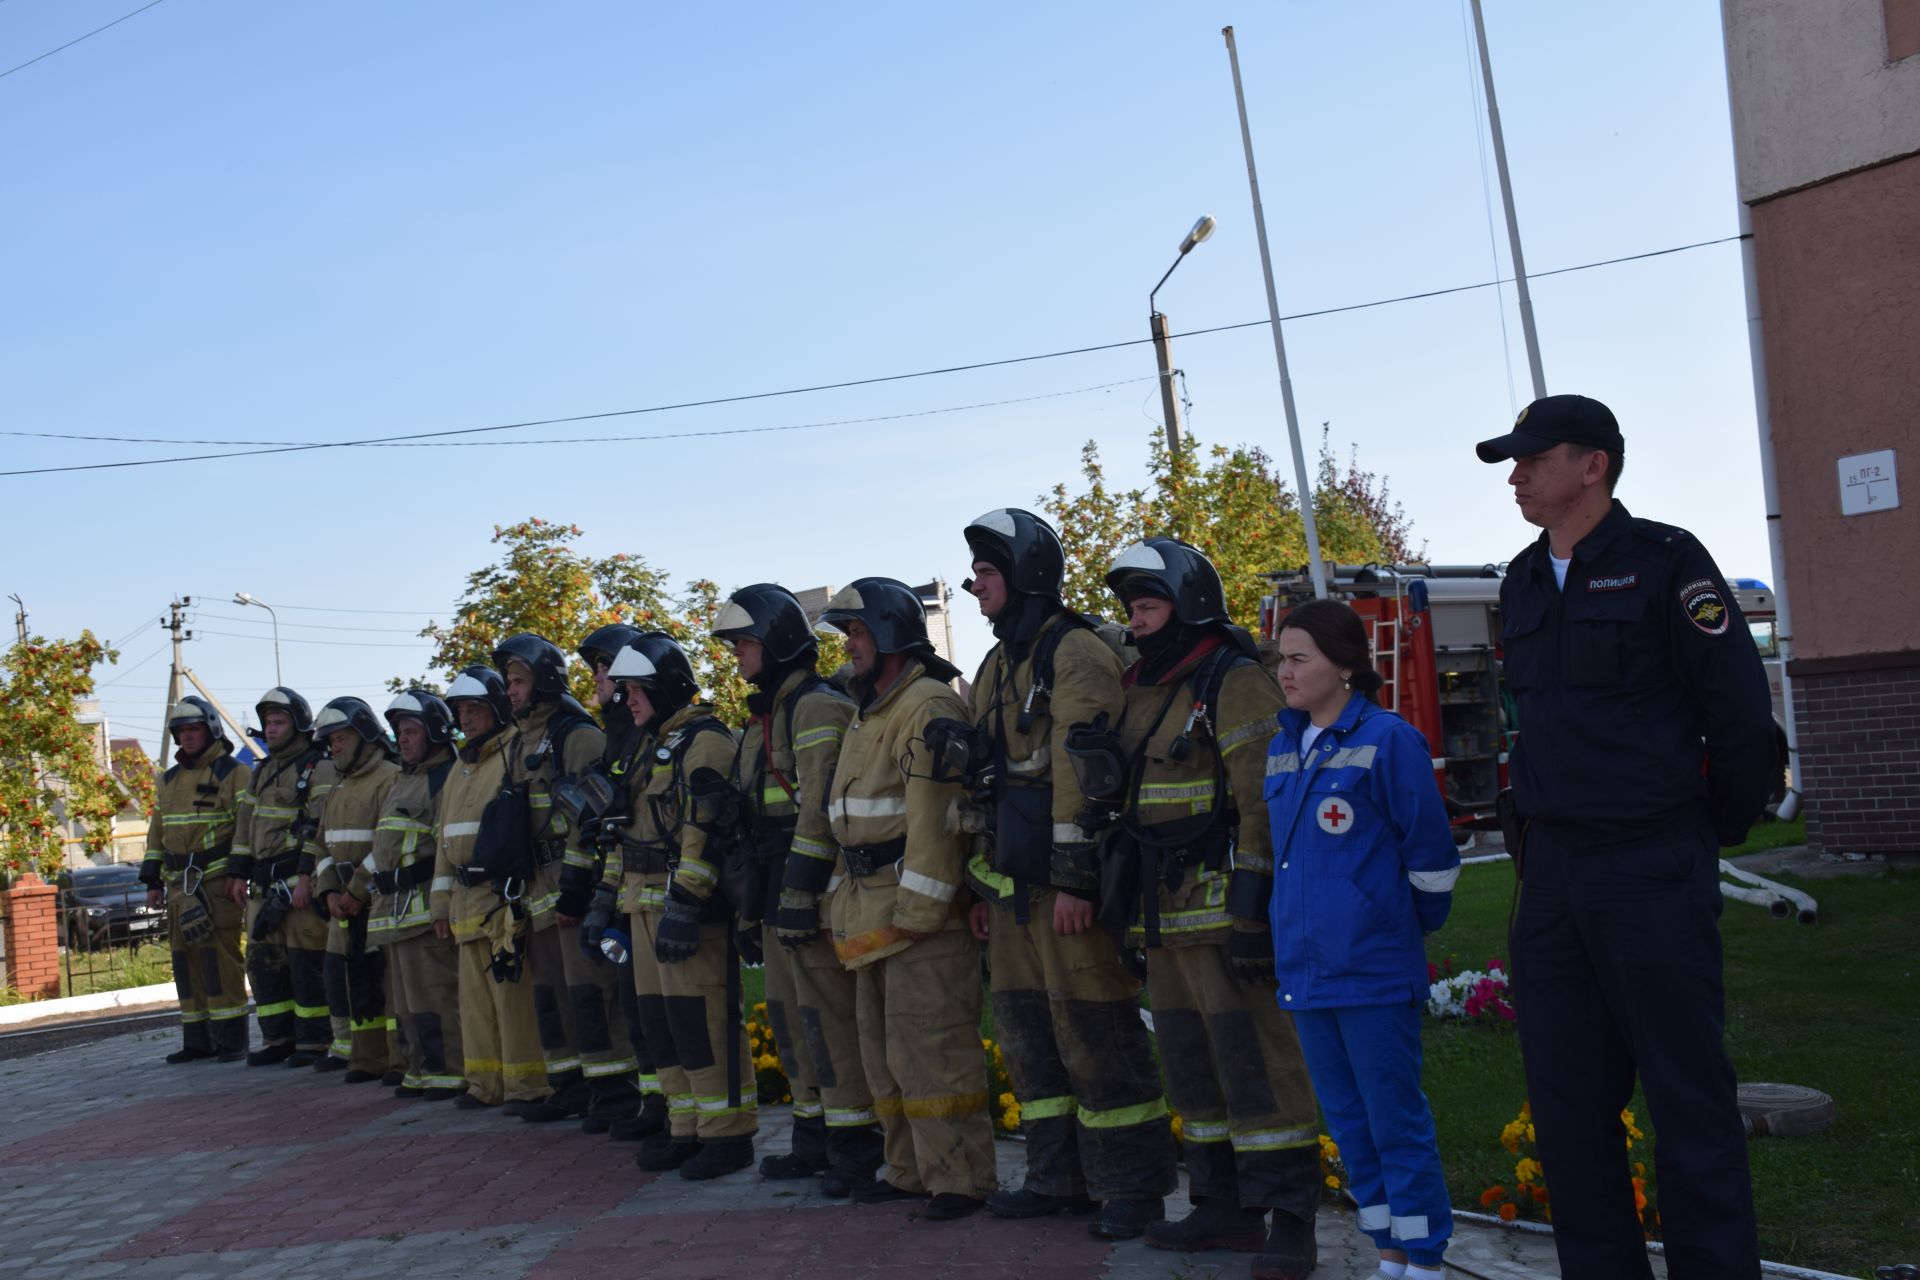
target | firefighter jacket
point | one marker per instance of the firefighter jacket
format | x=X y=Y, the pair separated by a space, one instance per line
x=285 y=787
x=1365 y=859
x=1196 y=774
x=664 y=848
x=597 y=862
x=193 y=818
x=786 y=759
x=890 y=815
x=479 y=772
x=1037 y=837
x=555 y=739
x=403 y=848
x=347 y=819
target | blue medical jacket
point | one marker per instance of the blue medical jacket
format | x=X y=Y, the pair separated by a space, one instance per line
x=1364 y=861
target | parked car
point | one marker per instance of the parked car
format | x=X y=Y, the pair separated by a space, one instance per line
x=104 y=905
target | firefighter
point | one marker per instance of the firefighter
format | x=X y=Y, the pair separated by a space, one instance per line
x=364 y=771
x=686 y=965
x=1065 y=1009
x=189 y=842
x=587 y=1059
x=786 y=755
x=423 y=971
x=644 y=1113
x=482 y=858
x=277 y=815
x=897 y=918
x=1189 y=871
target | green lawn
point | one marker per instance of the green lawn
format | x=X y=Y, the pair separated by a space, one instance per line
x=1831 y=1006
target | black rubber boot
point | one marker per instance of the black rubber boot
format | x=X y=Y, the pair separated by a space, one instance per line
x=614 y=1100
x=408 y=1092
x=393 y=1079
x=302 y=1058
x=649 y=1120
x=1290 y=1252
x=717 y=1158
x=564 y=1104
x=789 y=1167
x=1213 y=1224
x=1126 y=1219
x=184 y=1054
x=272 y=1055
x=854 y=1155
x=1024 y=1202
x=880 y=1191
x=357 y=1076
x=328 y=1063
x=440 y=1093
x=949 y=1205
x=662 y=1152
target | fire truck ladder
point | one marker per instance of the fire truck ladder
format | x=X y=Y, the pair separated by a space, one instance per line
x=1385 y=641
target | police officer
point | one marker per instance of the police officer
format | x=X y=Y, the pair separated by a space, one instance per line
x=624 y=1118
x=423 y=971
x=1646 y=743
x=587 y=1059
x=189 y=841
x=787 y=753
x=686 y=964
x=1066 y=1011
x=1193 y=870
x=482 y=862
x=897 y=917
x=364 y=771
x=277 y=813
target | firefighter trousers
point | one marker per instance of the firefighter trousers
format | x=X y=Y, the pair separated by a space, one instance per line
x=306 y=936
x=356 y=980
x=424 y=972
x=1250 y=1124
x=1074 y=1045
x=499 y=1033
x=207 y=973
x=810 y=1006
x=649 y=1077
x=546 y=971
x=919 y=1017
x=270 y=977
x=694 y=1007
x=597 y=1021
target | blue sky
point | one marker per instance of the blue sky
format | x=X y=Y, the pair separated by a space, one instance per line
x=306 y=221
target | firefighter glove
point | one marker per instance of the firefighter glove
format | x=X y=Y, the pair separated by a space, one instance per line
x=797 y=922
x=678 y=936
x=1076 y=869
x=1250 y=953
x=747 y=943
x=595 y=923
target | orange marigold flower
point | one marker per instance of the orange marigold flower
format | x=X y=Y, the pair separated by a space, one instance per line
x=1491 y=1194
x=1508 y=1212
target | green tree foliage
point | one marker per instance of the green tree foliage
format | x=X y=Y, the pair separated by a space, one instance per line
x=51 y=773
x=1233 y=505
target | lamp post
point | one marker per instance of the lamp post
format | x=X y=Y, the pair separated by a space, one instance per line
x=1157 y=324
x=241 y=597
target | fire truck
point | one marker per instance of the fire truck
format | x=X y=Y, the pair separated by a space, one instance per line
x=1435 y=635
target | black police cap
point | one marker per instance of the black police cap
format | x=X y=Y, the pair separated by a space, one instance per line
x=1554 y=420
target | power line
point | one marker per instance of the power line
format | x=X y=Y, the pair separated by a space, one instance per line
x=164 y=646
x=308 y=626
x=324 y=608
x=77 y=39
x=826 y=386
x=341 y=644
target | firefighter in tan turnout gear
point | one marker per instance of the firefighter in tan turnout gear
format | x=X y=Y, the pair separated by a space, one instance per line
x=1066 y=1011
x=482 y=857
x=1189 y=870
x=423 y=971
x=686 y=965
x=579 y=1010
x=897 y=917
x=189 y=842
x=364 y=772
x=787 y=753
x=277 y=816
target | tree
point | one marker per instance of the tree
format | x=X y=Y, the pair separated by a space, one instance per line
x=50 y=771
x=1231 y=504
x=139 y=781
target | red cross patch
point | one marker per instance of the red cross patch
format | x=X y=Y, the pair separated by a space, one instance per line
x=1335 y=816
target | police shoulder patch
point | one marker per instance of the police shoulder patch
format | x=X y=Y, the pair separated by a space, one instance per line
x=1705 y=607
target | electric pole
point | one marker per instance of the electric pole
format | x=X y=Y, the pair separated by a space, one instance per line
x=176 y=623
x=20 y=618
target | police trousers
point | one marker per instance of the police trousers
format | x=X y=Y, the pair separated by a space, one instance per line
x=207 y=973
x=286 y=971
x=423 y=973
x=596 y=1018
x=498 y=1031
x=1617 y=969
x=1250 y=1125
x=810 y=1006
x=356 y=981
x=919 y=1018
x=1077 y=1051
x=691 y=1015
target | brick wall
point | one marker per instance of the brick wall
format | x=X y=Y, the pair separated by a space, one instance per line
x=1860 y=759
x=33 y=940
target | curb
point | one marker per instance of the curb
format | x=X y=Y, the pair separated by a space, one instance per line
x=20 y=1015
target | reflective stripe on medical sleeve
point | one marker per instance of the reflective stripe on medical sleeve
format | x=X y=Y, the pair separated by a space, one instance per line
x=1434 y=881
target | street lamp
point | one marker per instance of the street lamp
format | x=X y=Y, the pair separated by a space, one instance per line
x=1157 y=323
x=241 y=597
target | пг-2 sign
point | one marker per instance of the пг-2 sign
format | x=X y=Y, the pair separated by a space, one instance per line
x=1868 y=482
